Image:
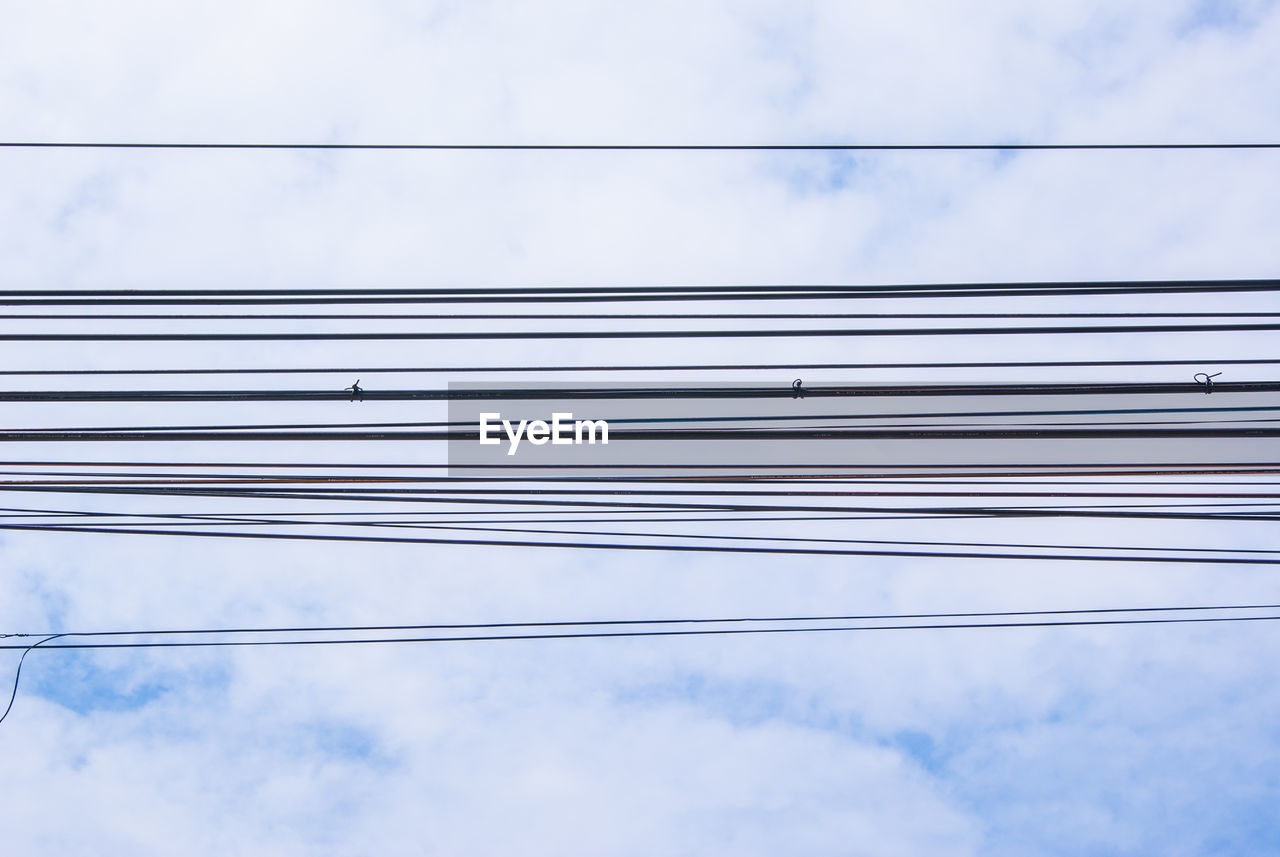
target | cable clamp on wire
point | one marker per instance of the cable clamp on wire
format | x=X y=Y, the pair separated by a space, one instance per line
x=797 y=389
x=357 y=392
x=1206 y=380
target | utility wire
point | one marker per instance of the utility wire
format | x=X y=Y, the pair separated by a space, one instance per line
x=765 y=333
x=641 y=147
x=724 y=620
x=783 y=391
x=204 y=520
x=666 y=547
x=579 y=635
x=557 y=294
x=685 y=367
x=17 y=674
x=602 y=316
x=692 y=632
x=1119 y=430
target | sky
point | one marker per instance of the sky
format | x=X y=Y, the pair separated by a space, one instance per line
x=1097 y=741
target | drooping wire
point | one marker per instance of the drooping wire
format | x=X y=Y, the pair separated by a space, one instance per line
x=17 y=674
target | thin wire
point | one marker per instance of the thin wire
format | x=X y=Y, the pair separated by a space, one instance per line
x=18 y=672
x=277 y=519
x=639 y=147
x=638 y=547
x=697 y=632
x=877 y=617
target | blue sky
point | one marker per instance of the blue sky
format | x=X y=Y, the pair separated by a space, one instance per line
x=1046 y=742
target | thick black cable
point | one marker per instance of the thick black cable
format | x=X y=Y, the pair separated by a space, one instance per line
x=687 y=367
x=602 y=316
x=716 y=473
x=744 y=418
x=471 y=490
x=419 y=336
x=674 y=434
x=636 y=147
x=778 y=391
x=537 y=294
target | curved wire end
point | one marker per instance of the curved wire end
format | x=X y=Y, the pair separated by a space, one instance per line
x=18 y=673
x=1206 y=380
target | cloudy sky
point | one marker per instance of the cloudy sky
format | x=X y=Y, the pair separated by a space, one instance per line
x=1025 y=742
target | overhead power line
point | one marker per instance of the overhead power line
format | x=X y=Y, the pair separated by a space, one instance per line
x=769 y=333
x=664 y=547
x=640 y=147
x=617 y=316
x=784 y=391
x=722 y=620
x=527 y=294
x=660 y=367
x=577 y=630
x=691 y=632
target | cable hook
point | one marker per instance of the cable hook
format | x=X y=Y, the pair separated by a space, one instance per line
x=797 y=389
x=357 y=392
x=1207 y=382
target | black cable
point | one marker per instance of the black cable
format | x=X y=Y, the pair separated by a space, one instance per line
x=787 y=551
x=723 y=537
x=745 y=418
x=687 y=632
x=668 y=434
x=688 y=367
x=777 y=391
x=540 y=294
x=601 y=316
x=680 y=490
x=697 y=632
x=638 y=147
x=280 y=520
x=99 y=478
x=714 y=471
x=469 y=626
x=418 y=336
x=18 y=672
